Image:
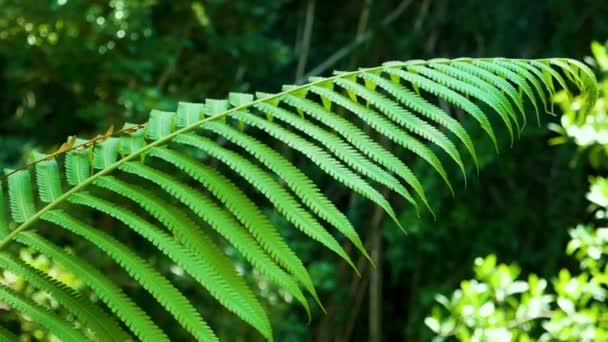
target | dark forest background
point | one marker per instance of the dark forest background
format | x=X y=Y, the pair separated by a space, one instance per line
x=77 y=67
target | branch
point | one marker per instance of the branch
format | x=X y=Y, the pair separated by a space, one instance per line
x=511 y=325
x=171 y=67
x=310 y=18
x=362 y=26
x=375 y=281
x=71 y=146
x=346 y=50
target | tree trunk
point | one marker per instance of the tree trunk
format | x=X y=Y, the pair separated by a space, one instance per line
x=375 y=284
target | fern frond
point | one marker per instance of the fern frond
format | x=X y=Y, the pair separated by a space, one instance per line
x=361 y=141
x=277 y=195
x=120 y=304
x=205 y=165
x=496 y=81
x=158 y=286
x=21 y=196
x=514 y=77
x=547 y=85
x=217 y=218
x=130 y=143
x=448 y=95
x=467 y=90
x=388 y=129
x=496 y=99
x=105 y=153
x=301 y=185
x=77 y=166
x=330 y=165
x=40 y=314
x=405 y=119
x=190 y=235
x=48 y=179
x=251 y=217
x=532 y=79
x=424 y=108
x=341 y=149
x=97 y=322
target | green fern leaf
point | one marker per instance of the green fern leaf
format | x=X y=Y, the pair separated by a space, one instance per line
x=340 y=149
x=495 y=96
x=191 y=236
x=132 y=142
x=520 y=81
x=301 y=185
x=191 y=263
x=160 y=124
x=188 y=114
x=406 y=119
x=48 y=319
x=448 y=95
x=250 y=216
x=531 y=77
x=120 y=304
x=99 y=325
x=589 y=89
x=388 y=129
x=105 y=153
x=360 y=140
x=280 y=198
x=48 y=179
x=424 y=108
x=325 y=161
x=496 y=81
x=395 y=100
x=21 y=196
x=468 y=90
x=219 y=220
x=78 y=165
x=158 y=286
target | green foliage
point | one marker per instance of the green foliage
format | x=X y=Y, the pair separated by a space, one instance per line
x=589 y=132
x=190 y=167
x=91 y=78
x=497 y=305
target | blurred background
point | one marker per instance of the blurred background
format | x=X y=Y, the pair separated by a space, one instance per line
x=76 y=67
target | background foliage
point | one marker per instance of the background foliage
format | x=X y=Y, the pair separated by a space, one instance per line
x=72 y=66
x=496 y=305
